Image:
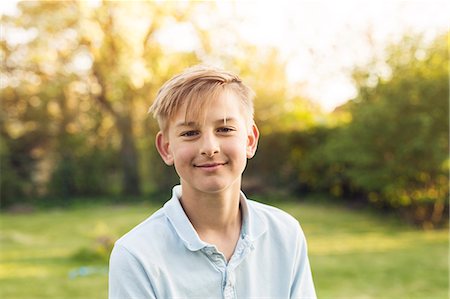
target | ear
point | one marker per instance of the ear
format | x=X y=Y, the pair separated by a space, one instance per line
x=252 y=141
x=163 y=147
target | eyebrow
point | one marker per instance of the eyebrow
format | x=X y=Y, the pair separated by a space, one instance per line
x=196 y=124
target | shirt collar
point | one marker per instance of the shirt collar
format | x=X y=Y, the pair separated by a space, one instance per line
x=252 y=225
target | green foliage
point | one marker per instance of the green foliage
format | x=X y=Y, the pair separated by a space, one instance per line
x=23 y=138
x=76 y=91
x=86 y=172
x=390 y=149
x=394 y=152
x=76 y=94
x=399 y=133
x=98 y=252
x=14 y=175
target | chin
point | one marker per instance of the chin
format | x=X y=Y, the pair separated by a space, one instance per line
x=211 y=187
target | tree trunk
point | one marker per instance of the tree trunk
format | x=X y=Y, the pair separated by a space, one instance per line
x=129 y=158
x=128 y=153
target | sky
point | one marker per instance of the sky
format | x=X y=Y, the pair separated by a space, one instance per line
x=323 y=40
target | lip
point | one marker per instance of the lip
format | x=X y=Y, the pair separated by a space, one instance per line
x=210 y=166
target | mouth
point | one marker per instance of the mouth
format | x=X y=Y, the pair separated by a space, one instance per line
x=210 y=165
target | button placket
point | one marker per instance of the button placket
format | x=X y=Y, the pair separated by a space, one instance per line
x=216 y=258
x=231 y=278
x=229 y=291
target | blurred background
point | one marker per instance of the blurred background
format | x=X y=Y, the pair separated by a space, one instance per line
x=352 y=104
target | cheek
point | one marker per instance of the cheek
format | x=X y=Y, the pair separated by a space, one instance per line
x=236 y=148
x=184 y=154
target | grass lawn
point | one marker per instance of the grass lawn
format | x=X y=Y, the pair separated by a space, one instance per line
x=353 y=254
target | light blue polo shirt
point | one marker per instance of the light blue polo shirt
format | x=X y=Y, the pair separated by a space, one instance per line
x=163 y=257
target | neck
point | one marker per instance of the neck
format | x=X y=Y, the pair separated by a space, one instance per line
x=215 y=216
x=217 y=213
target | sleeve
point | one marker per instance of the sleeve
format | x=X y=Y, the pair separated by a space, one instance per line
x=127 y=276
x=302 y=286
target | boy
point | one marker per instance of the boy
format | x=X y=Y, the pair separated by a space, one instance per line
x=209 y=241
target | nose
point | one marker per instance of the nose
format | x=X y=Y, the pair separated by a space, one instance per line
x=209 y=145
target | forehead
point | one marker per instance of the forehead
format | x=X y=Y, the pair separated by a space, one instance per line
x=224 y=106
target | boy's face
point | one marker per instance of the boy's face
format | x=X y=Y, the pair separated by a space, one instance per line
x=210 y=153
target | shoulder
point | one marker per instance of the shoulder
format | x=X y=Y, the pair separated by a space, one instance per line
x=145 y=235
x=274 y=218
x=280 y=233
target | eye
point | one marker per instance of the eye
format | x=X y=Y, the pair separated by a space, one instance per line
x=189 y=133
x=225 y=130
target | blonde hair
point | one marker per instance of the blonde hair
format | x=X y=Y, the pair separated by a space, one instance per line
x=196 y=87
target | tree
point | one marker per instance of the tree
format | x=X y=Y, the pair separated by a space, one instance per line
x=84 y=78
x=79 y=78
x=395 y=149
